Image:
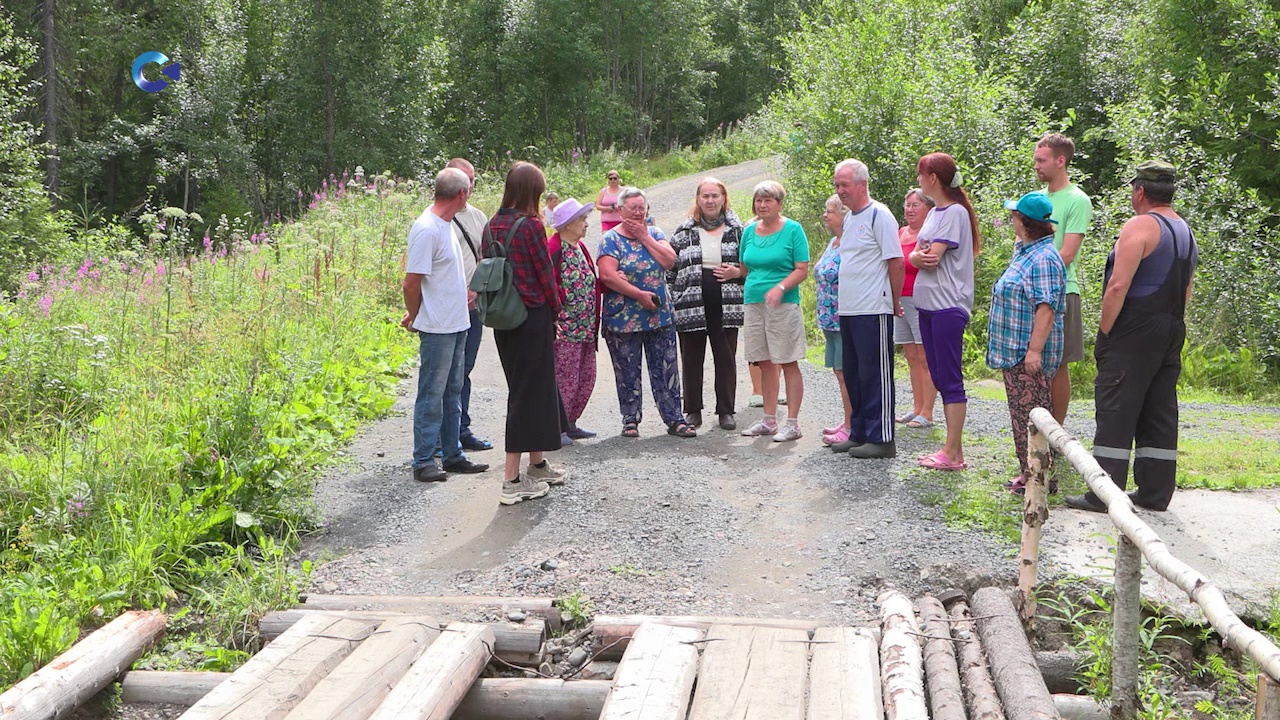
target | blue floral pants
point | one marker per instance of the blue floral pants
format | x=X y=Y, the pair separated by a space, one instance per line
x=659 y=350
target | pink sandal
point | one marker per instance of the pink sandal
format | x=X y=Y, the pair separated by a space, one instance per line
x=833 y=429
x=939 y=461
x=835 y=438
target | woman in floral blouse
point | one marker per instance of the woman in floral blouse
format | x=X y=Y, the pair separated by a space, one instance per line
x=827 y=275
x=637 y=318
x=579 y=319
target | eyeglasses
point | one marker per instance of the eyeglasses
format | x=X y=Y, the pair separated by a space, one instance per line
x=613 y=177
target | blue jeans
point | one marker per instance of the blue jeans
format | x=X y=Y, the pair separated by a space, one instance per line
x=474 y=336
x=437 y=411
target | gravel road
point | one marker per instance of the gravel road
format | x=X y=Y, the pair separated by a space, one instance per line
x=718 y=524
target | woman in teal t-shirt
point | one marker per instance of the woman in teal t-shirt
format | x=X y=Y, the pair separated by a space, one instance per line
x=775 y=256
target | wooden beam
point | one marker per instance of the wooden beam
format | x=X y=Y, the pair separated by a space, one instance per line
x=1035 y=512
x=980 y=696
x=170 y=688
x=82 y=671
x=275 y=680
x=523 y=699
x=656 y=675
x=613 y=631
x=942 y=674
x=1013 y=666
x=1199 y=588
x=519 y=643
x=1080 y=707
x=435 y=684
x=901 y=662
x=844 y=677
x=752 y=673
x=360 y=683
x=437 y=605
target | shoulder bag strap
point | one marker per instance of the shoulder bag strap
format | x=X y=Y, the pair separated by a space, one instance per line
x=466 y=237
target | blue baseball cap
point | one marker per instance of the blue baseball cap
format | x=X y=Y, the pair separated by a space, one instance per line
x=1034 y=205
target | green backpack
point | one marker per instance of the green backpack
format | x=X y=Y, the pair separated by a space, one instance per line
x=498 y=301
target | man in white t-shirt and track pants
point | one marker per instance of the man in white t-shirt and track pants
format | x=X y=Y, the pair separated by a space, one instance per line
x=870 y=289
x=436 y=300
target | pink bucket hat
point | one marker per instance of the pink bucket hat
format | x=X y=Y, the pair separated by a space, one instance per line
x=568 y=211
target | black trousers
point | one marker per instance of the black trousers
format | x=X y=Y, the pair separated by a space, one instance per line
x=724 y=351
x=534 y=410
x=1136 y=395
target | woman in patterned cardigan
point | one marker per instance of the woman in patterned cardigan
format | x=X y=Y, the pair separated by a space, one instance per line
x=706 y=284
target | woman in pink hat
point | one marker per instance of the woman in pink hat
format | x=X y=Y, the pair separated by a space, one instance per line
x=578 y=326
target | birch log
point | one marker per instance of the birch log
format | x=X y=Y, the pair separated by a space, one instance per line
x=79 y=673
x=1126 y=623
x=1017 y=679
x=980 y=696
x=1035 y=511
x=1202 y=592
x=942 y=676
x=901 y=663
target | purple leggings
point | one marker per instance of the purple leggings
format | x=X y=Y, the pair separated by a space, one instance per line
x=943 y=334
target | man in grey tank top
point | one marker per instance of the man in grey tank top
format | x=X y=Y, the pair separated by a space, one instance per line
x=1139 y=346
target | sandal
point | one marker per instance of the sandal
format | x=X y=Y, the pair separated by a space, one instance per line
x=905 y=418
x=1017 y=486
x=631 y=430
x=939 y=461
x=682 y=429
x=919 y=422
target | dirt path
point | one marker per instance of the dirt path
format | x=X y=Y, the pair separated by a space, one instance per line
x=719 y=524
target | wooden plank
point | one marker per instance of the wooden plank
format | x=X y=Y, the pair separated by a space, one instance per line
x=361 y=682
x=276 y=679
x=437 y=681
x=524 y=699
x=656 y=675
x=82 y=671
x=516 y=642
x=752 y=673
x=613 y=631
x=437 y=605
x=170 y=688
x=844 y=677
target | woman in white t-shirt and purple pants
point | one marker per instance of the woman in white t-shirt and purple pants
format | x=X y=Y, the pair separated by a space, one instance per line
x=945 y=251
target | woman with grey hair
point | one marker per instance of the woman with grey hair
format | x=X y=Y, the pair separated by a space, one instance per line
x=826 y=274
x=906 y=329
x=637 y=319
x=775 y=256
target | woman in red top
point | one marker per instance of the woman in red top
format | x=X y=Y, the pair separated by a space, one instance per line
x=906 y=329
x=527 y=352
x=607 y=202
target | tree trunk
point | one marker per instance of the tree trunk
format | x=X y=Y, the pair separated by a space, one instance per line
x=1126 y=623
x=50 y=101
x=941 y=673
x=1017 y=679
x=981 y=698
x=901 y=664
x=1034 y=514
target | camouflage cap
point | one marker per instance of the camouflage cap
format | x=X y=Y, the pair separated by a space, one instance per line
x=1155 y=171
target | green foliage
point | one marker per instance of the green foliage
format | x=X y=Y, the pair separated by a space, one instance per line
x=162 y=415
x=578 y=605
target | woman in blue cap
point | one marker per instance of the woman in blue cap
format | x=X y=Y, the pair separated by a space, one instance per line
x=1024 y=329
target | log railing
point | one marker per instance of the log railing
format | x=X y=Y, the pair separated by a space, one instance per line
x=1137 y=541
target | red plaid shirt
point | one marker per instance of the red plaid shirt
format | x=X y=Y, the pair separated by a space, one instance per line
x=532 y=271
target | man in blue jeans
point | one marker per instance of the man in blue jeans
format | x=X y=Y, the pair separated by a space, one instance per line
x=436 y=302
x=469 y=223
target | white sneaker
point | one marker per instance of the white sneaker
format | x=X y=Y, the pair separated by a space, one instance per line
x=760 y=428
x=524 y=488
x=787 y=432
x=547 y=474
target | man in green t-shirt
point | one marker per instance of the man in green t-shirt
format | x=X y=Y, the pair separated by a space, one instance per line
x=1072 y=211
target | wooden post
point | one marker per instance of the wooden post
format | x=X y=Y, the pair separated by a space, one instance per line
x=1125 y=640
x=1268 y=698
x=1035 y=511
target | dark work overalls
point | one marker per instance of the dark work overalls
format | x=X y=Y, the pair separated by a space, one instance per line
x=1136 y=391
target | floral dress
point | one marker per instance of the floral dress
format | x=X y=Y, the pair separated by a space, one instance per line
x=827 y=275
x=580 y=317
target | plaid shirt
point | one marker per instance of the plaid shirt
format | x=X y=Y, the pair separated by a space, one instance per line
x=1035 y=275
x=532 y=271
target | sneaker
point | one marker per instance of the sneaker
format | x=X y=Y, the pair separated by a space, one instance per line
x=547 y=474
x=565 y=440
x=521 y=489
x=430 y=473
x=756 y=401
x=787 y=433
x=761 y=428
x=578 y=433
x=475 y=443
x=466 y=467
x=727 y=422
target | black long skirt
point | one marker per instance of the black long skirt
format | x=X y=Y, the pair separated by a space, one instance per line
x=533 y=400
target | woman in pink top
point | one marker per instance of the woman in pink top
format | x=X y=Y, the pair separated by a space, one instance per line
x=906 y=329
x=607 y=202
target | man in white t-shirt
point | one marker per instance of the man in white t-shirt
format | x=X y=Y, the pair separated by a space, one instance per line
x=469 y=224
x=870 y=289
x=435 y=300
